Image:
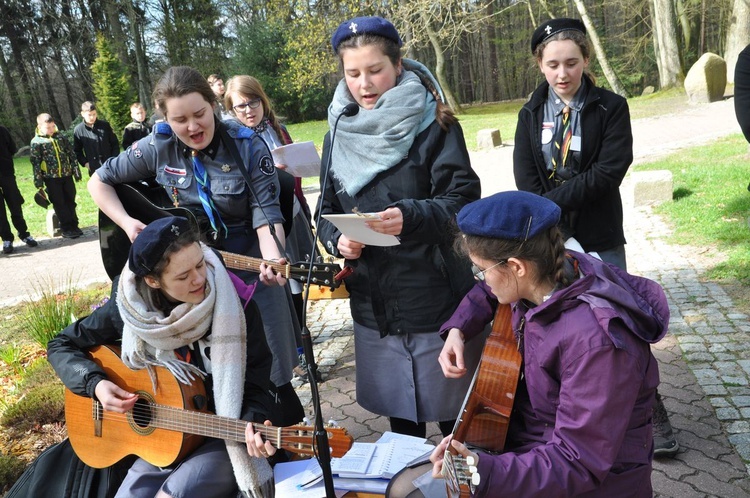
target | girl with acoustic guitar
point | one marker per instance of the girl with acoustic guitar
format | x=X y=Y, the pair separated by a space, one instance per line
x=581 y=419
x=223 y=173
x=175 y=306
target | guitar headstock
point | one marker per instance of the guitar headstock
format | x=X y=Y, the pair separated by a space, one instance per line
x=323 y=273
x=299 y=439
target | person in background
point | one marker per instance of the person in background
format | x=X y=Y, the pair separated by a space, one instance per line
x=54 y=166
x=175 y=306
x=93 y=139
x=246 y=99
x=136 y=129
x=574 y=145
x=10 y=196
x=197 y=160
x=156 y=116
x=217 y=86
x=742 y=92
x=403 y=158
x=581 y=419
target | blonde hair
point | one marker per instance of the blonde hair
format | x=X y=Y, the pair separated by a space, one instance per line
x=250 y=88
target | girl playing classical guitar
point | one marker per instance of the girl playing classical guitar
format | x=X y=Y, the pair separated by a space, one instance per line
x=175 y=306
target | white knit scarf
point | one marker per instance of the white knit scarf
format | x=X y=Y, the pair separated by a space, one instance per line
x=149 y=339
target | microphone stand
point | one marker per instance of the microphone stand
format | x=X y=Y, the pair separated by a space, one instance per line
x=321 y=436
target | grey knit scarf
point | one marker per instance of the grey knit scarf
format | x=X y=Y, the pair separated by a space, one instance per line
x=377 y=139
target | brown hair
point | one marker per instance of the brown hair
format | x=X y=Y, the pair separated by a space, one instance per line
x=443 y=114
x=251 y=88
x=546 y=252
x=213 y=78
x=137 y=105
x=576 y=37
x=178 y=81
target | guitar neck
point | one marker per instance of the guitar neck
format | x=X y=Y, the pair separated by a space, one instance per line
x=240 y=262
x=215 y=426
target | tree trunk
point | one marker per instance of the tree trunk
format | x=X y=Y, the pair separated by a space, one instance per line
x=738 y=35
x=666 y=45
x=19 y=122
x=601 y=55
x=440 y=70
x=144 y=82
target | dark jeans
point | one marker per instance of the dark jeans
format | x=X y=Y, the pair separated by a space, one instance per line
x=62 y=194
x=11 y=196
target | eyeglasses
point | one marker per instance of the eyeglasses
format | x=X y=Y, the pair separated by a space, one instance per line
x=253 y=104
x=479 y=273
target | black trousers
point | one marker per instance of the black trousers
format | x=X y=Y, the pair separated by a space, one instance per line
x=62 y=194
x=10 y=196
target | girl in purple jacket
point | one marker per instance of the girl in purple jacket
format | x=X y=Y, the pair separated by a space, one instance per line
x=581 y=420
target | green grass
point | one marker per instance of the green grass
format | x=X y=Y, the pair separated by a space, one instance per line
x=711 y=203
x=35 y=216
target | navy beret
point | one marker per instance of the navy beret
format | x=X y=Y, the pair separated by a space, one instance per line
x=512 y=215
x=149 y=246
x=364 y=25
x=554 y=26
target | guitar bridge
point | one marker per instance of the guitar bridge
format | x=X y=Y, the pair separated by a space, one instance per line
x=97 y=415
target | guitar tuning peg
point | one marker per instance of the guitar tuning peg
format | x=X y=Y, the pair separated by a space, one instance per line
x=332 y=423
x=305 y=421
x=307 y=258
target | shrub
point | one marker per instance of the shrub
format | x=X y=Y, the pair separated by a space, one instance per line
x=11 y=468
x=41 y=405
x=50 y=313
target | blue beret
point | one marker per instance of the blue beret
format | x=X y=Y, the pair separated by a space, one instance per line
x=149 y=246
x=554 y=26
x=512 y=215
x=364 y=25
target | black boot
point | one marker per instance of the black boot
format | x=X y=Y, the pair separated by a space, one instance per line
x=665 y=444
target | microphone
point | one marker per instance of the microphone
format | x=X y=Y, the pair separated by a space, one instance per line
x=350 y=109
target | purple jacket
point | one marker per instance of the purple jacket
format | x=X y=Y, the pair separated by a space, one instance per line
x=581 y=423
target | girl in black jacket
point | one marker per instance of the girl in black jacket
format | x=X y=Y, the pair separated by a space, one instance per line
x=580 y=170
x=175 y=306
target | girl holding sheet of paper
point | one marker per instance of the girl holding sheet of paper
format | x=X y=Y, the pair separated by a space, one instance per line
x=403 y=158
x=250 y=104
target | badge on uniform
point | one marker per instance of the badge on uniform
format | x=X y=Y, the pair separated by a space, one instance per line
x=137 y=153
x=266 y=166
x=547 y=127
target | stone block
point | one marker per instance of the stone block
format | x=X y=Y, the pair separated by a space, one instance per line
x=488 y=139
x=707 y=79
x=650 y=187
x=53 y=224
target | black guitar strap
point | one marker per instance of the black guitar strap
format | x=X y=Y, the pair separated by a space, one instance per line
x=232 y=147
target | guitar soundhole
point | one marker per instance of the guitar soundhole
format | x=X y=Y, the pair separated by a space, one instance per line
x=141 y=416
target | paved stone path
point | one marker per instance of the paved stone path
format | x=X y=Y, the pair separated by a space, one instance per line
x=704 y=364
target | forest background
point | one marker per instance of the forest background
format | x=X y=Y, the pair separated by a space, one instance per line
x=55 y=55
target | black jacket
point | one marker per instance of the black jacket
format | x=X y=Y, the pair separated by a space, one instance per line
x=67 y=354
x=414 y=286
x=7 y=149
x=590 y=201
x=94 y=145
x=742 y=91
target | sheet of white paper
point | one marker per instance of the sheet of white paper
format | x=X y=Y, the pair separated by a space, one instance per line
x=353 y=226
x=301 y=159
x=290 y=478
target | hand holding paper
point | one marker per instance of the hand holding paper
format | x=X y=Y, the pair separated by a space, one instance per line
x=354 y=227
x=301 y=159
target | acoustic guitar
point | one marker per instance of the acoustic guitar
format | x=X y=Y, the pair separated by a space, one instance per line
x=144 y=202
x=167 y=425
x=484 y=418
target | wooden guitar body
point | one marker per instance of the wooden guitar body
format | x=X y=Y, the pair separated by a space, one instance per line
x=167 y=425
x=484 y=418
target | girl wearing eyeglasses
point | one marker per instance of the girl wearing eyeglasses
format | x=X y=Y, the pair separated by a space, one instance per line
x=251 y=106
x=581 y=420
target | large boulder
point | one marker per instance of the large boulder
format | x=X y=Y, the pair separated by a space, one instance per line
x=707 y=79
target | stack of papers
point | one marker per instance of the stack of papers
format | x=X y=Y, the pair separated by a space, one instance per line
x=366 y=467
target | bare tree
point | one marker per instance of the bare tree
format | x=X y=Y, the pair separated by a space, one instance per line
x=666 y=45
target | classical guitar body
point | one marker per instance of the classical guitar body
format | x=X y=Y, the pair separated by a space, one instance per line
x=484 y=418
x=167 y=425
x=101 y=441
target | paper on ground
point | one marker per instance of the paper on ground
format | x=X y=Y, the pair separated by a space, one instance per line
x=353 y=226
x=291 y=477
x=301 y=159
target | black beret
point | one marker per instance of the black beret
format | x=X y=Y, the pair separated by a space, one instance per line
x=364 y=25
x=149 y=246
x=512 y=215
x=554 y=26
